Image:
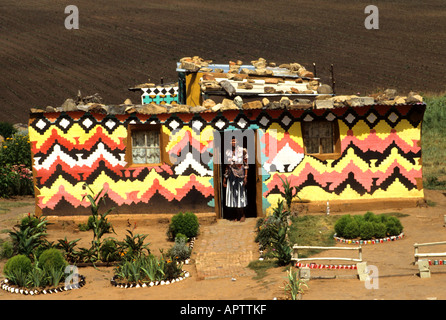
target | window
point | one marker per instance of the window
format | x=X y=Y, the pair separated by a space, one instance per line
x=145 y=145
x=321 y=139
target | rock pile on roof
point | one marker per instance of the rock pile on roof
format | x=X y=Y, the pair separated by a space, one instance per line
x=389 y=97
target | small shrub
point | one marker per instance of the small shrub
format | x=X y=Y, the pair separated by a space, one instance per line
x=7 y=250
x=19 y=262
x=180 y=250
x=181 y=236
x=367 y=230
x=7 y=129
x=134 y=245
x=380 y=230
x=172 y=269
x=341 y=223
x=394 y=226
x=109 y=250
x=351 y=230
x=266 y=231
x=186 y=224
x=52 y=259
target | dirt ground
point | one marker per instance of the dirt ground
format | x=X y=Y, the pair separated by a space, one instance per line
x=398 y=277
x=121 y=44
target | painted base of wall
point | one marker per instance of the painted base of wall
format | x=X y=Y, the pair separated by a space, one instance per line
x=125 y=219
x=339 y=206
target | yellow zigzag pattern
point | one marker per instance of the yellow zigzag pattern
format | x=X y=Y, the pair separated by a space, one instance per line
x=122 y=188
x=76 y=131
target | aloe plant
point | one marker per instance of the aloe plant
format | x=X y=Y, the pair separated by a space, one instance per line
x=26 y=240
x=134 y=244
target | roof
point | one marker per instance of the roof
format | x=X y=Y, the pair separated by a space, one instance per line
x=285 y=103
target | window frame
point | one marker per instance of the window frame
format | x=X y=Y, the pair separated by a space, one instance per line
x=129 y=145
x=336 y=140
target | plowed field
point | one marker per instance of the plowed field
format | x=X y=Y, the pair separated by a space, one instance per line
x=120 y=44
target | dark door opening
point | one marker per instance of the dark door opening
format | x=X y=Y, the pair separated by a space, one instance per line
x=251 y=209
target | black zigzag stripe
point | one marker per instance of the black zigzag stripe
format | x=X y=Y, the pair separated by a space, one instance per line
x=355 y=185
x=369 y=155
x=84 y=153
x=59 y=172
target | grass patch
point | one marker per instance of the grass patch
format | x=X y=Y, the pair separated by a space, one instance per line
x=312 y=231
x=7 y=205
x=261 y=267
x=434 y=143
x=396 y=214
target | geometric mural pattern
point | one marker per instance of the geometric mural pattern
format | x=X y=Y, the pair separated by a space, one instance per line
x=163 y=95
x=380 y=157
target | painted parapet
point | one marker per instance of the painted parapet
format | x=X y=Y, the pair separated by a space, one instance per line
x=379 y=157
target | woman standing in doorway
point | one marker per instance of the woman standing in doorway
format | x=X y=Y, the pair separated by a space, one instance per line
x=236 y=178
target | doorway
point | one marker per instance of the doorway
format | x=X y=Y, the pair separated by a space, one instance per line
x=254 y=187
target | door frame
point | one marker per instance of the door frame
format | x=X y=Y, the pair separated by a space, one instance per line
x=218 y=176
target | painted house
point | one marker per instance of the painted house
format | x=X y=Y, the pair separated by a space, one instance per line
x=155 y=158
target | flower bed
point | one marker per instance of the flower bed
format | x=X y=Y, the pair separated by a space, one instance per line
x=148 y=271
x=371 y=241
x=326 y=266
x=7 y=286
x=115 y=282
x=368 y=229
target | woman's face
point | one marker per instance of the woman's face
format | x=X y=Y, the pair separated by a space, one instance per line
x=234 y=143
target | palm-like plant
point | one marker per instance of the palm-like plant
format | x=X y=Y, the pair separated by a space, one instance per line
x=289 y=192
x=99 y=223
x=28 y=237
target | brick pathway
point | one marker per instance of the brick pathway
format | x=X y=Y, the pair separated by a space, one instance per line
x=224 y=249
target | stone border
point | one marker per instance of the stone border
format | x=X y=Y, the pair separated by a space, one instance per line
x=325 y=266
x=20 y=290
x=116 y=284
x=437 y=262
x=374 y=241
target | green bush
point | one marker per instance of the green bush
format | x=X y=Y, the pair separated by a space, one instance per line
x=52 y=259
x=380 y=230
x=266 y=231
x=367 y=230
x=7 y=129
x=180 y=250
x=351 y=230
x=15 y=166
x=368 y=226
x=109 y=251
x=20 y=263
x=341 y=223
x=185 y=223
x=7 y=250
x=394 y=226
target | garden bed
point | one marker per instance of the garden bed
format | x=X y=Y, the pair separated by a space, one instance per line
x=116 y=283
x=7 y=286
x=370 y=241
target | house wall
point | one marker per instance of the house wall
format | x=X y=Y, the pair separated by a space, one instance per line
x=380 y=158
